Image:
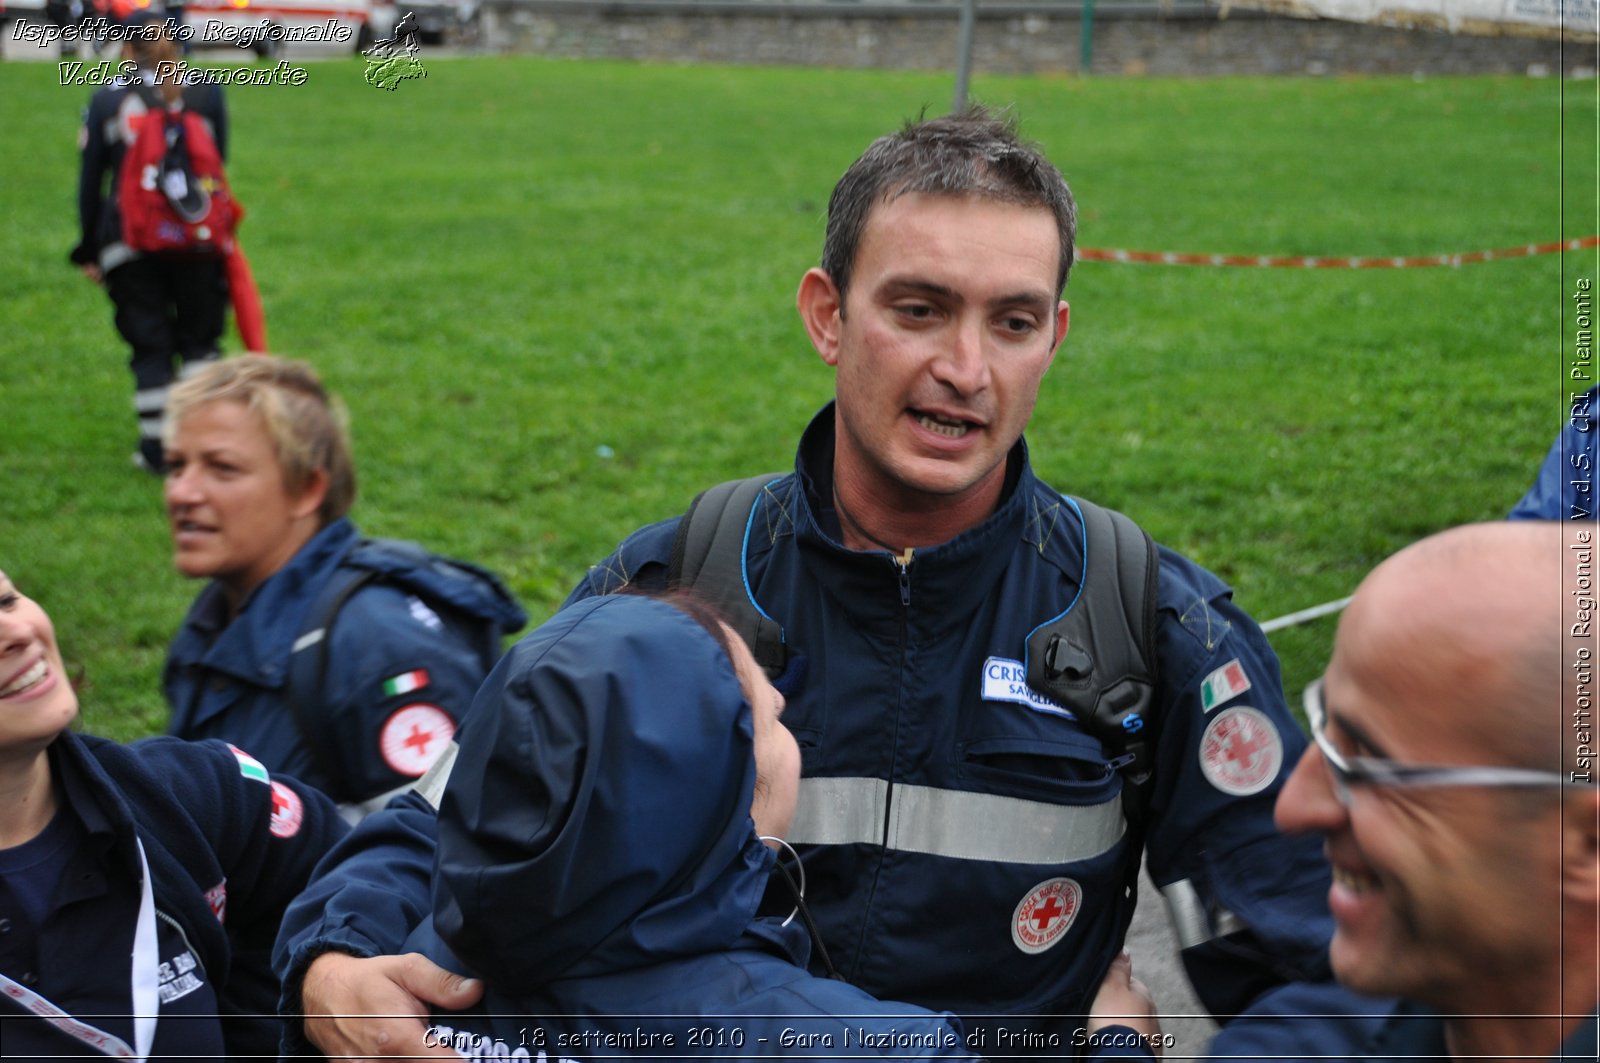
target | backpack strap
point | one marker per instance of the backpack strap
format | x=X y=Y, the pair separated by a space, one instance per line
x=308 y=663
x=708 y=556
x=1098 y=657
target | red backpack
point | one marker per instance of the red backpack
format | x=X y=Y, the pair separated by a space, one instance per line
x=172 y=191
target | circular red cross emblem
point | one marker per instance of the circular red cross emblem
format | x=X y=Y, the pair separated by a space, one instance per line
x=413 y=738
x=1241 y=751
x=1045 y=914
x=287 y=811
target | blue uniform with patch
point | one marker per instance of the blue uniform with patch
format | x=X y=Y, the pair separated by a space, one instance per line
x=397 y=678
x=966 y=843
x=225 y=851
x=1564 y=488
x=598 y=865
x=1301 y=1024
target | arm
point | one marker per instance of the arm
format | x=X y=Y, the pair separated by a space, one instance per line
x=1563 y=488
x=95 y=158
x=262 y=836
x=219 y=121
x=367 y=895
x=1249 y=904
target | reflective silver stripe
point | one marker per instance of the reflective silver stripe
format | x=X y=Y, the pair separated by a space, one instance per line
x=953 y=823
x=150 y=427
x=150 y=400
x=431 y=785
x=309 y=639
x=1189 y=916
x=839 y=812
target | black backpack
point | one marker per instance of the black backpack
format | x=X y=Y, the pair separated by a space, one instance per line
x=468 y=599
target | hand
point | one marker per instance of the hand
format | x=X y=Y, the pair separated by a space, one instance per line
x=1123 y=1000
x=375 y=1007
x=93 y=272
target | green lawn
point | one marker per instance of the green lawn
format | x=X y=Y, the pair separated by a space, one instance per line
x=557 y=297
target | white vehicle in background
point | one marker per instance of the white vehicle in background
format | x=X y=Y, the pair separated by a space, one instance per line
x=267 y=25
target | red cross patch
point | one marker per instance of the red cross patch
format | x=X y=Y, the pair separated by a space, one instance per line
x=1045 y=914
x=217 y=898
x=413 y=737
x=287 y=811
x=1241 y=751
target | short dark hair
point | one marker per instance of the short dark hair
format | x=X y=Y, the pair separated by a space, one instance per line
x=974 y=152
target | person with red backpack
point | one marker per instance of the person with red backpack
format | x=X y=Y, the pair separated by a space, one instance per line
x=156 y=219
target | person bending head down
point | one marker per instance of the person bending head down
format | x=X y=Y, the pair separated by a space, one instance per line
x=605 y=839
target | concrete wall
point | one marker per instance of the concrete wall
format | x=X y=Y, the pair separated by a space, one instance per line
x=1009 y=38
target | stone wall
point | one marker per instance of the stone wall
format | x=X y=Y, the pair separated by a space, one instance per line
x=1008 y=38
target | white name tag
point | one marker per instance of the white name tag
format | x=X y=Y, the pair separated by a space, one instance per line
x=1006 y=680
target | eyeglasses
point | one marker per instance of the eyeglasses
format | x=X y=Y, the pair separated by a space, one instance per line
x=1352 y=771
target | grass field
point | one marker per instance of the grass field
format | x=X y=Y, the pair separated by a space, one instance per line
x=558 y=299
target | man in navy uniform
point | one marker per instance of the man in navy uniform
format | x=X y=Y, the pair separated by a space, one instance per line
x=969 y=842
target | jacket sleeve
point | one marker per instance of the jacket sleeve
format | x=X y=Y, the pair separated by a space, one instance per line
x=95 y=159
x=399 y=681
x=1564 y=488
x=217 y=111
x=266 y=835
x=1249 y=903
x=267 y=832
x=369 y=893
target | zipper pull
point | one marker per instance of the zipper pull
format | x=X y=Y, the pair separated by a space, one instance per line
x=904 y=562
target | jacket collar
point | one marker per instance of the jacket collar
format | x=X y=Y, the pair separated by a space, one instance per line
x=89 y=794
x=256 y=644
x=944 y=582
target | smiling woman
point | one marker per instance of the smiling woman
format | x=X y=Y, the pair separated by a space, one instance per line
x=99 y=840
x=259 y=485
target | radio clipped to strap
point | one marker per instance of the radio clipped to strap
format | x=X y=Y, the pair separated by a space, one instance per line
x=1097 y=659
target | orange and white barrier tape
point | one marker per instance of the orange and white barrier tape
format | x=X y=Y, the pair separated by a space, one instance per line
x=1180 y=258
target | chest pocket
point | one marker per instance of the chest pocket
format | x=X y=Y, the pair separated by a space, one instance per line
x=1037 y=756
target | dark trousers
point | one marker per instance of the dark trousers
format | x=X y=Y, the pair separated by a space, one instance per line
x=171 y=309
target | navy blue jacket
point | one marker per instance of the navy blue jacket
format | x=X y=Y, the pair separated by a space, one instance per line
x=598 y=867
x=397 y=680
x=227 y=850
x=1565 y=487
x=1300 y=1024
x=965 y=840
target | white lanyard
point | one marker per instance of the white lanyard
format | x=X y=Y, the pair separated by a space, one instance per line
x=145 y=987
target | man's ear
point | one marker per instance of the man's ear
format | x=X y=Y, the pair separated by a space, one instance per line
x=821 y=310
x=1063 y=318
x=312 y=495
x=1580 y=847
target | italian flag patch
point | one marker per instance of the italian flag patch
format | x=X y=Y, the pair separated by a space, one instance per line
x=249 y=766
x=1225 y=684
x=405 y=684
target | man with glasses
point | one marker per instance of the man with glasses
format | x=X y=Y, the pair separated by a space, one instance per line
x=1452 y=780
